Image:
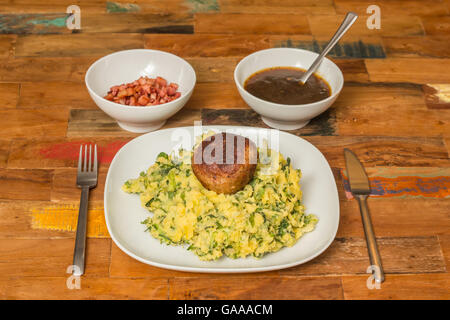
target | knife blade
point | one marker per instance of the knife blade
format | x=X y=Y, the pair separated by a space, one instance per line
x=360 y=188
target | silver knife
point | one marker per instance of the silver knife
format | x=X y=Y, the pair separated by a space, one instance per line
x=360 y=188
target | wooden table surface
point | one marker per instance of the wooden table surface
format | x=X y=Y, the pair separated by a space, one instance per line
x=394 y=113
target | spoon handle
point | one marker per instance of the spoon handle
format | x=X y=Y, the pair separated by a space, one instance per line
x=350 y=18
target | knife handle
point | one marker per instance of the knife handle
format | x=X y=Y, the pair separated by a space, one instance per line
x=374 y=255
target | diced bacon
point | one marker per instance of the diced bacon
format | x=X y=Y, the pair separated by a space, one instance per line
x=144 y=91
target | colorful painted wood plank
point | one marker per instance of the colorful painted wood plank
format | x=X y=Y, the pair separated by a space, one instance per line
x=399 y=287
x=89 y=123
x=227 y=23
x=357 y=48
x=34 y=23
x=60 y=152
x=406 y=182
x=16 y=221
x=61 y=218
x=324 y=125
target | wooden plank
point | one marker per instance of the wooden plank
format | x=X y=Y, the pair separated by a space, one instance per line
x=102 y=288
x=324 y=124
x=384 y=151
x=355 y=47
x=353 y=69
x=424 y=70
x=437 y=96
x=444 y=240
x=7 y=42
x=366 y=113
x=10 y=94
x=87 y=123
x=54 y=94
x=51 y=257
x=251 y=23
x=48 y=69
x=437 y=25
x=123 y=266
x=17 y=123
x=81 y=44
x=25 y=184
x=207 y=45
x=64 y=185
x=397 y=217
x=400 y=287
x=50 y=6
x=215 y=69
x=393 y=7
x=270 y=6
x=4 y=152
x=255 y=288
x=216 y=95
x=412 y=47
x=45 y=153
x=326 y=25
x=399 y=255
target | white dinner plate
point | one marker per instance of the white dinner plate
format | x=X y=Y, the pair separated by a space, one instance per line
x=123 y=211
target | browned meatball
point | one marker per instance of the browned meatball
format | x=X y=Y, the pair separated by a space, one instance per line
x=229 y=170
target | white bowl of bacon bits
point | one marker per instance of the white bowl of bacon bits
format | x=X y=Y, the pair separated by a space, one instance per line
x=140 y=88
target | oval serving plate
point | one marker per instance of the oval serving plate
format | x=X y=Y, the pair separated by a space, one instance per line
x=123 y=212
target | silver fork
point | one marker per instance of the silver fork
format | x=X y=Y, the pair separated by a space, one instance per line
x=86 y=179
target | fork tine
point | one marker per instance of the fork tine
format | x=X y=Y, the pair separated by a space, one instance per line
x=85 y=155
x=95 y=158
x=80 y=159
x=90 y=158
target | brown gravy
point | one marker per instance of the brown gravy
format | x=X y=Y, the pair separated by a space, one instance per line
x=280 y=85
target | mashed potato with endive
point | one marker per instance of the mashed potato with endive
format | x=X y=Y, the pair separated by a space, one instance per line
x=266 y=215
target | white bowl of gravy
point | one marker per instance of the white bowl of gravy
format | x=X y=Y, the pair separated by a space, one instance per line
x=268 y=81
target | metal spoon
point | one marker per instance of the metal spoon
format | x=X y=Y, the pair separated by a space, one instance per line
x=350 y=18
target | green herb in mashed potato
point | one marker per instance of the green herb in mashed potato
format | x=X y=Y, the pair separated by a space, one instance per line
x=263 y=217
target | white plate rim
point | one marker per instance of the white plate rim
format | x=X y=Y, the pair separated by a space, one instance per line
x=209 y=269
